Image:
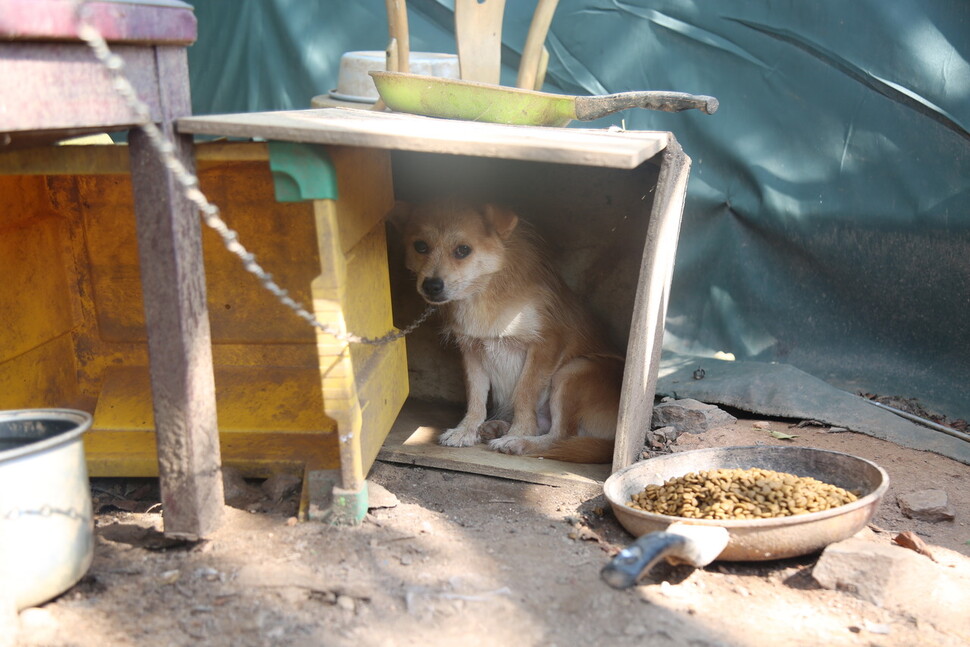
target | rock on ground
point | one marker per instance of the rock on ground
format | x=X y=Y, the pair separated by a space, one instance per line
x=690 y=416
x=926 y=505
x=897 y=578
x=662 y=436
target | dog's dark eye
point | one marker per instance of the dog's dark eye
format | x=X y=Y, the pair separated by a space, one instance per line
x=421 y=247
x=462 y=251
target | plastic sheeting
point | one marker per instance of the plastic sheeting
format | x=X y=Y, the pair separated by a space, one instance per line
x=827 y=223
x=782 y=391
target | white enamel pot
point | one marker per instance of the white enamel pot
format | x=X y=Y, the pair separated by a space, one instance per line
x=46 y=525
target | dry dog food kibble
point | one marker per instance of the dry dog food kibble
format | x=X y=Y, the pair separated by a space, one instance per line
x=740 y=494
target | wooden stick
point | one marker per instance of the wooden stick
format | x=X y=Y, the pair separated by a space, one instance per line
x=532 y=52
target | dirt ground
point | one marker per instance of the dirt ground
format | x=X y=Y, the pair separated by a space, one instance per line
x=470 y=560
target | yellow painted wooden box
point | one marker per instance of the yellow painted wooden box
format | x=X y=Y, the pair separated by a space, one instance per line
x=289 y=398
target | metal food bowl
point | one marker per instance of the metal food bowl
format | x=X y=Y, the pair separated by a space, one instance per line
x=354 y=84
x=46 y=526
x=758 y=539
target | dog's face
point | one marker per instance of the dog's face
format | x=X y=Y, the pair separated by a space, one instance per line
x=454 y=248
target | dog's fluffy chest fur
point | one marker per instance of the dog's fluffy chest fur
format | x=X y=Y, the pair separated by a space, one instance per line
x=500 y=337
x=506 y=323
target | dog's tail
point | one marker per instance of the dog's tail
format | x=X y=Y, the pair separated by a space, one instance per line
x=579 y=449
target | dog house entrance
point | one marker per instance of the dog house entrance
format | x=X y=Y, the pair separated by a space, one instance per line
x=608 y=203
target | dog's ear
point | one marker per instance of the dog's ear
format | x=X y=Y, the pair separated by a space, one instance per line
x=399 y=215
x=502 y=220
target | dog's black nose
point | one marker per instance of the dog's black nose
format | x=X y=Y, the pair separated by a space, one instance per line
x=432 y=287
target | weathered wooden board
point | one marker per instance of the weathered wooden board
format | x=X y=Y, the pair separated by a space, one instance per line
x=414 y=441
x=112 y=159
x=62 y=87
x=650 y=307
x=394 y=131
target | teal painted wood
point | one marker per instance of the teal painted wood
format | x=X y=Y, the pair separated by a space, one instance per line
x=302 y=172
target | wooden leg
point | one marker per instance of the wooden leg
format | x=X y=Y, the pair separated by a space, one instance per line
x=179 y=343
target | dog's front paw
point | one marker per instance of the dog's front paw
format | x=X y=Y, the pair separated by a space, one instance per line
x=460 y=436
x=492 y=429
x=509 y=445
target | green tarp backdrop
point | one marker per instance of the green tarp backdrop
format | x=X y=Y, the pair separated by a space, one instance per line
x=827 y=222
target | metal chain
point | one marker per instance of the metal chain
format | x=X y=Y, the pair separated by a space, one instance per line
x=44 y=511
x=190 y=185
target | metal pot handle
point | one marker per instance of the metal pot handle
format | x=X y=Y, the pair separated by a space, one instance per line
x=594 y=107
x=695 y=545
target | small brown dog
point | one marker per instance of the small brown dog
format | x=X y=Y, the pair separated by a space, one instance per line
x=524 y=336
